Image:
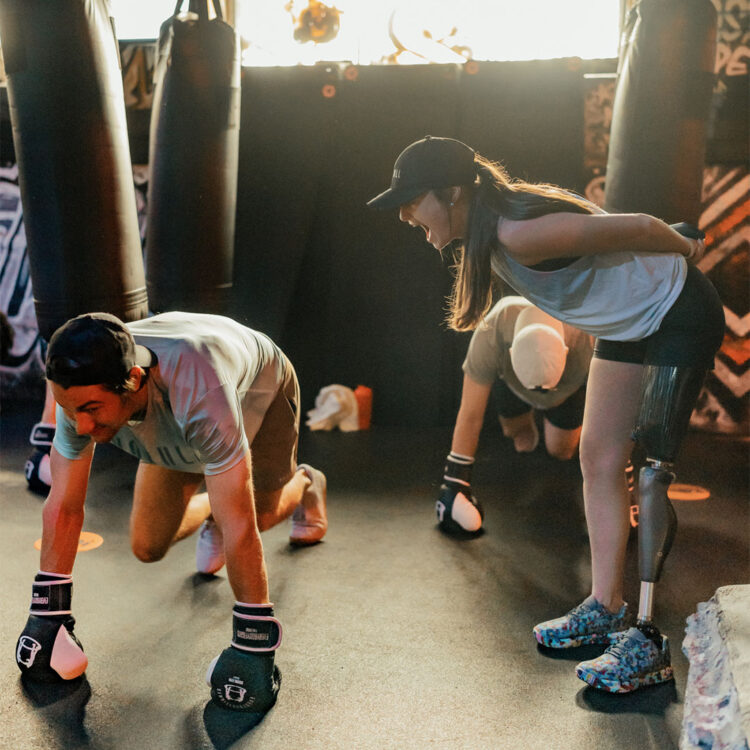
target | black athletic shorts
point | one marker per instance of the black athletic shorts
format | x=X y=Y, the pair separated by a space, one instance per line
x=567 y=416
x=689 y=335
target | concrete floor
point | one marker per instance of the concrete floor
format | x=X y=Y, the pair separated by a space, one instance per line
x=395 y=635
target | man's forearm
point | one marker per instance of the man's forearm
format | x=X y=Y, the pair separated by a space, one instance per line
x=466 y=433
x=246 y=567
x=61 y=531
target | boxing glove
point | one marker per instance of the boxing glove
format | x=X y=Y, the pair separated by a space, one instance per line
x=243 y=677
x=37 y=469
x=689 y=230
x=457 y=509
x=47 y=649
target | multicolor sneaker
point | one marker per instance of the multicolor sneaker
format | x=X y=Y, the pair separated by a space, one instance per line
x=633 y=661
x=310 y=519
x=209 y=549
x=587 y=623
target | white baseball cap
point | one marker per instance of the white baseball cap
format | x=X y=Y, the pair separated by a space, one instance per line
x=538 y=352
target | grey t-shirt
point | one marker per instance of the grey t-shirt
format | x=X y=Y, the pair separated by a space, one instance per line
x=621 y=296
x=206 y=396
x=488 y=356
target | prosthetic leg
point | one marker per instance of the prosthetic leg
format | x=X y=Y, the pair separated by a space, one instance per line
x=669 y=394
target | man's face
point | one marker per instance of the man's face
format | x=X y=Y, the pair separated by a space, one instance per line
x=96 y=412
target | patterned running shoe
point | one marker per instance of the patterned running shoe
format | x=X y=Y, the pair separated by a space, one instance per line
x=633 y=661
x=587 y=623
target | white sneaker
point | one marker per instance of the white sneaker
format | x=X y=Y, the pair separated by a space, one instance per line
x=309 y=520
x=209 y=549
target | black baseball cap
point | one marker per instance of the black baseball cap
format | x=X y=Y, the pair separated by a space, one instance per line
x=94 y=349
x=425 y=165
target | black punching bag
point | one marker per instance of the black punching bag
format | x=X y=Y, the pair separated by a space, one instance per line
x=68 y=115
x=195 y=121
x=660 y=114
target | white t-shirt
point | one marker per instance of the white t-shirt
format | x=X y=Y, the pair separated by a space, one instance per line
x=207 y=394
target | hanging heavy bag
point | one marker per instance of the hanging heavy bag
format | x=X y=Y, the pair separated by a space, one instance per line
x=69 y=131
x=194 y=147
x=660 y=113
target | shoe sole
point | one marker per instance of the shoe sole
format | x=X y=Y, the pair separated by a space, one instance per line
x=307 y=541
x=652 y=678
x=573 y=642
x=211 y=571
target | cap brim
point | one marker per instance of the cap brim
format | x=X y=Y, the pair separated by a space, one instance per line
x=144 y=357
x=394 y=198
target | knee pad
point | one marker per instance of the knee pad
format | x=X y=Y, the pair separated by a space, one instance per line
x=657 y=521
x=668 y=397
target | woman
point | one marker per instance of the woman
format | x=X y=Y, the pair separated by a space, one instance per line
x=625 y=279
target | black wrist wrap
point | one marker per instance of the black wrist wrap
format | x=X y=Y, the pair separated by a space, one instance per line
x=51 y=597
x=457 y=471
x=255 y=629
x=42 y=435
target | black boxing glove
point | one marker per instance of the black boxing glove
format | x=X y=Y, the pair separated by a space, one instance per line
x=48 y=650
x=37 y=469
x=457 y=509
x=689 y=230
x=244 y=677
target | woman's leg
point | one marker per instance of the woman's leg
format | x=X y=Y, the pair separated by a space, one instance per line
x=612 y=402
x=166 y=509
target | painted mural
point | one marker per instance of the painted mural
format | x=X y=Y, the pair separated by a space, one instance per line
x=724 y=403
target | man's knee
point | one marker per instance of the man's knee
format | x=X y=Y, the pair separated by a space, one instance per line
x=146 y=552
x=562 y=451
x=561 y=444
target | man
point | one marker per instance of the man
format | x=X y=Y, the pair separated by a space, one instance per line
x=198 y=399
x=536 y=363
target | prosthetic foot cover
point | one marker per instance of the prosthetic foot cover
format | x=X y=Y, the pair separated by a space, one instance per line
x=657 y=522
x=669 y=395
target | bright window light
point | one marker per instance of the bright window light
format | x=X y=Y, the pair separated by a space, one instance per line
x=423 y=31
x=140 y=19
x=404 y=32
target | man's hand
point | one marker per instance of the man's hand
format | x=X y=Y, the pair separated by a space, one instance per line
x=457 y=509
x=48 y=650
x=243 y=677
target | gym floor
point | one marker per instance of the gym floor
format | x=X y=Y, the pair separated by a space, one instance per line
x=395 y=635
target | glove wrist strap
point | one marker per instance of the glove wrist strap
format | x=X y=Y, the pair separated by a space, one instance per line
x=458 y=469
x=51 y=597
x=42 y=435
x=254 y=628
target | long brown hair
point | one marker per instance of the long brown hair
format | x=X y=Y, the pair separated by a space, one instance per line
x=495 y=194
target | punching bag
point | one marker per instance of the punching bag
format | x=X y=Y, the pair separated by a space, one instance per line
x=660 y=113
x=67 y=111
x=194 y=147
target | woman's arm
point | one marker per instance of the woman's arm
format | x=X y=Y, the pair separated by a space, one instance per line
x=569 y=235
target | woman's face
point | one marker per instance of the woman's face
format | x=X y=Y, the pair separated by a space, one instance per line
x=442 y=223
